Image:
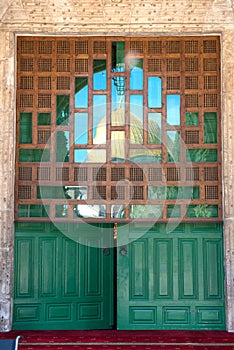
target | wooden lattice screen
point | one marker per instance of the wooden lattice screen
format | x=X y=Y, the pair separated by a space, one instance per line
x=118 y=129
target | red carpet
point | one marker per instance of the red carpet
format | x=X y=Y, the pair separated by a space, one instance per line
x=123 y=340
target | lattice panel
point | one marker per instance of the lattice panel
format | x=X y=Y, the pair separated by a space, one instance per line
x=43 y=136
x=154 y=65
x=25 y=173
x=191 y=83
x=63 y=83
x=45 y=47
x=26 y=83
x=154 y=47
x=44 y=83
x=136 y=47
x=117 y=174
x=174 y=144
x=81 y=47
x=192 y=137
x=81 y=174
x=43 y=173
x=62 y=174
x=25 y=192
x=191 y=46
x=173 y=83
x=193 y=174
x=81 y=65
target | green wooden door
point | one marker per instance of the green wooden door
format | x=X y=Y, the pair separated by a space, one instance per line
x=171 y=280
x=59 y=282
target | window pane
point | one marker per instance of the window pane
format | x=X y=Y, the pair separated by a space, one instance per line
x=117 y=211
x=154 y=128
x=173 y=109
x=154 y=92
x=62 y=109
x=117 y=94
x=201 y=155
x=81 y=128
x=25 y=127
x=145 y=155
x=61 y=210
x=136 y=74
x=99 y=74
x=81 y=92
x=118 y=53
x=210 y=127
x=138 y=211
x=173 y=146
x=44 y=119
x=191 y=119
x=117 y=146
x=99 y=119
x=34 y=155
x=136 y=119
x=91 y=155
x=90 y=211
x=173 y=211
x=202 y=211
x=62 y=146
x=33 y=211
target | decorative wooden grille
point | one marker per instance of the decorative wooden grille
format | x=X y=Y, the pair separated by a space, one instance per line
x=49 y=174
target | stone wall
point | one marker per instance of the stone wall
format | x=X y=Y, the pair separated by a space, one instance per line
x=109 y=17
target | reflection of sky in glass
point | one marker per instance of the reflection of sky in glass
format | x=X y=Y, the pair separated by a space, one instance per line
x=81 y=128
x=136 y=74
x=91 y=156
x=154 y=92
x=173 y=109
x=81 y=96
x=99 y=113
x=99 y=76
x=136 y=106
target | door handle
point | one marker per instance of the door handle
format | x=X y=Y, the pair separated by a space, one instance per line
x=123 y=250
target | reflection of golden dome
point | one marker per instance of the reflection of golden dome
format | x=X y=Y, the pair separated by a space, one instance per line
x=118 y=137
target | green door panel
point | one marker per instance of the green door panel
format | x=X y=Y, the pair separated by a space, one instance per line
x=170 y=279
x=63 y=278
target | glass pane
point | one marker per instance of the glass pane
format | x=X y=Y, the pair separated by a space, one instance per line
x=136 y=74
x=117 y=211
x=191 y=119
x=99 y=74
x=34 y=155
x=81 y=92
x=154 y=128
x=202 y=211
x=210 y=127
x=201 y=155
x=118 y=117
x=136 y=119
x=173 y=109
x=140 y=211
x=154 y=92
x=145 y=155
x=62 y=109
x=117 y=146
x=90 y=211
x=61 y=210
x=44 y=119
x=99 y=119
x=157 y=192
x=173 y=146
x=81 y=128
x=118 y=53
x=117 y=93
x=62 y=146
x=25 y=127
x=33 y=211
x=51 y=192
x=173 y=211
x=91 y=155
